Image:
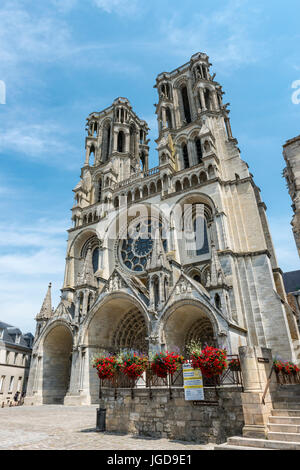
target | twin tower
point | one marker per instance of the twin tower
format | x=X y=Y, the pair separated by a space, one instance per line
x=155 y=293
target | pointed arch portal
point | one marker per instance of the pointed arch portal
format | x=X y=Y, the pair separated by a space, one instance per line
x=57 y=356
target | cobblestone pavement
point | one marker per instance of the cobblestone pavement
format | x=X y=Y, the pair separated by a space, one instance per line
x=62 y=427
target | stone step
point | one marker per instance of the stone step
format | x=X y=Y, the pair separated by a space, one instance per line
x=284 y=436
x=284 y=428
x=284 y=420
x=285 y=405
x=263 y=443
x=231 y=447
x=286 y=412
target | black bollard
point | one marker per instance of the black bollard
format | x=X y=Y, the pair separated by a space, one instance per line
x=101 y=419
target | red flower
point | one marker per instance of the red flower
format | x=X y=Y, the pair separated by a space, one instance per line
x=211 y=361
x=165 y=363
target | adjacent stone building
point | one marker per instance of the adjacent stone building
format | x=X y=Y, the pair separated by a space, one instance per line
x=291 y=153
x=123 y=289
x=15 y=355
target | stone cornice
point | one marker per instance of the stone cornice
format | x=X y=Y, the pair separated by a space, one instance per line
x=244 y=254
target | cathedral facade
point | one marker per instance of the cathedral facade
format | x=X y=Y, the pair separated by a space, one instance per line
x=291 y=154
x=134 y=278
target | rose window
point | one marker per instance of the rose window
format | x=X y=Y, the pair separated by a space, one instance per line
x=137 y=248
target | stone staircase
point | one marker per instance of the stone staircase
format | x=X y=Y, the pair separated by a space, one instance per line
x=283 y=429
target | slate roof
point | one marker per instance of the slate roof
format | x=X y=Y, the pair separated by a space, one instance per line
x=291 y=281
x=12 y=333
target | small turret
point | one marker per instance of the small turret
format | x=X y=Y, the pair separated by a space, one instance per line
x=46 y=309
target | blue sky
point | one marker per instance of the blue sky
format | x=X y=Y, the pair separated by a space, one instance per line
x=62 y=59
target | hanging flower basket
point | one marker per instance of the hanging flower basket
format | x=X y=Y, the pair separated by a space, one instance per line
x=234 y=365
x=211 y=361
x=134 y=365
x=165 y=363
x=106 y=367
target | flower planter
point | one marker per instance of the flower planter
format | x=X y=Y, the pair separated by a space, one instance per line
x=106 y=367
x=234 y=365
x=134 y=365
x=165 y=363
x=211 y=361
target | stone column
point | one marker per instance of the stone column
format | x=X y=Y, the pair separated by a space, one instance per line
x=72 y=397
x=228 y=128
x=87 y=155
x=127 y=142
x=191 y=152
x=256 y=364
x=215 y=100
x=115 y=141
x=202 y=99
x=164 y=118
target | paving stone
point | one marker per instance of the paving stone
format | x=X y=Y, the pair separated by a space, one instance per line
x=56 y=427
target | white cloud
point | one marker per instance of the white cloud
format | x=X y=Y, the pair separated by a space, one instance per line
x=35 y=255
x=64 y=6
x=25 y=37
x=120 y=7
x=45 y=142
x=224 y=34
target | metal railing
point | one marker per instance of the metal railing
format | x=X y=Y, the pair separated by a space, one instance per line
x=149 y=381
x=283 y=378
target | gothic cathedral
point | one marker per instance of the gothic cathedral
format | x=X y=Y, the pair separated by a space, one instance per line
x=131 y=284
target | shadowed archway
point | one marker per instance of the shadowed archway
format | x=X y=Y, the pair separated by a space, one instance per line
x=57 y=351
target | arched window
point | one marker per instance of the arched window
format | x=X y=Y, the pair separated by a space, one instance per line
x=132 y=139
x=106 y=143
x=116 y=202
x=145 y=191
x=121 y=142
x=207 y=99
x=141 y=136
x=186 y=104
x=143 y=161
x=156 y=291
x=186 y=183
x=194 y=180
x=99 y=191
x=166 y=288
x=95 y=259
x=152 y=188
x=185 y=155
x=211 y=171
x=202 y=245
x=198 y=150
x=92 y=151
x=89 y=304
x=95 y=129
x=218 y=301
x=203 y=177
x=80 y=303
x=169 y=118
x=178 y=186
x=137 y=195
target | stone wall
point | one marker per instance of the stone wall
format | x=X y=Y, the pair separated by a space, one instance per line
x=174 y=418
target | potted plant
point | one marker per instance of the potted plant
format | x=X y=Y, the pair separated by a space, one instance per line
x=211 y=361
x=106 y=366
x=234 y=365
x=165 y=363
x=133 y=364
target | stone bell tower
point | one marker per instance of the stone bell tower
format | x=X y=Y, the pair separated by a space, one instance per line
x=291 y=153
